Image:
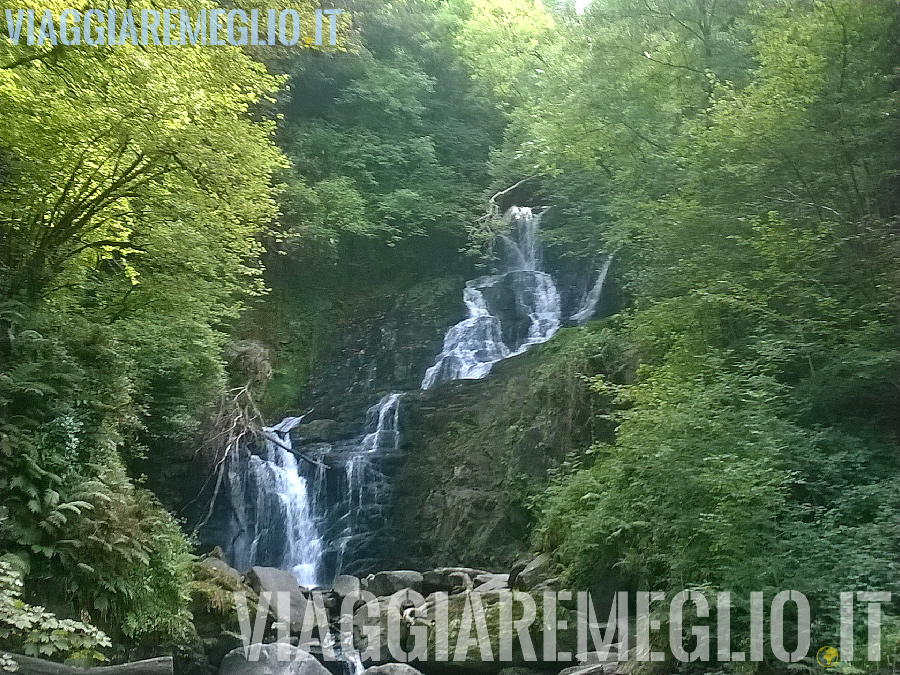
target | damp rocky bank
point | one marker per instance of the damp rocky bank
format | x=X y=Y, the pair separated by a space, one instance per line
x=411 y=596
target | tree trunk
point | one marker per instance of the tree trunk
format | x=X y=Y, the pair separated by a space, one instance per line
x=30 y=666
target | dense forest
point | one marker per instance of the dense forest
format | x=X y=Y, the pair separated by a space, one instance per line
x=185 y=233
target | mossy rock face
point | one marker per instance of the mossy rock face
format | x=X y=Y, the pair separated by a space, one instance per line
x=214 y=613
x=475 y=452
x=384 y=343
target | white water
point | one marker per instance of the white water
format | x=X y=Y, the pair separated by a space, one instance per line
x=272 y=509
x=589 y=306
x=277 y=512
x=383 y=425
x=383 y=419
x=475 y=344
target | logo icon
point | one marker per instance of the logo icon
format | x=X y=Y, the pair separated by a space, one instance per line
x=827 y=656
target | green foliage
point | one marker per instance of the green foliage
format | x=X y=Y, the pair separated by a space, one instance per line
x=130 y=214
x=741 y=157
x=33 y=631
x=387 y=144
x=95 y=542
x=212 y=600
x=157 y=152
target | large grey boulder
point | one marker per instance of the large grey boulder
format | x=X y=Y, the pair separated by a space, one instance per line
x=491 y=583
x=363 y=618
x=538 y=570
x=597 y=663
x=221 y=566
x=388 y=583
x=346 y=584
x=592 y=669
x=449 y=579
x=392 y=669
x=274 y=581
x=274 y=659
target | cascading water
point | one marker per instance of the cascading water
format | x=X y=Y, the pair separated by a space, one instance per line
x=273 y=521
x=523 y=296
x=383 y=419
x=589 y=306
x=315 y=517
x=361 y=506
x=282 y=512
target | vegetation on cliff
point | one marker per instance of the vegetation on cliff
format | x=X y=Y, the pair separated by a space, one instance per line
x=742 y=158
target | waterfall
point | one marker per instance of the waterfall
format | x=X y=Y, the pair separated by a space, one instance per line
x=273 y=521
x=363 y=478
x=589 y=306
x=280 y=511
x=523 y=296
x=383 y=419
x=310 y=517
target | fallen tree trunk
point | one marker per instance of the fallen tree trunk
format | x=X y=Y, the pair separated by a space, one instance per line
x=494 y=207
x=31 y=666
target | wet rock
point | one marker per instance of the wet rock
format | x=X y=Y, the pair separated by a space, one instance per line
x=221 y=566
x=534 y=573
x=388 y=583
x=345 y=585
x=317 y=430
x=367 y=616
x=449 y=579
x=392 y=669
x=271 y=580
x=274 y=659
x=489 y=583
x=516 y=569
x=592 y=658
x=593 y=669
x=602 y=663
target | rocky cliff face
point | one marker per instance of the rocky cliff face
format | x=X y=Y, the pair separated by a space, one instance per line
x=453 y=486
x=471 y=453
x=381 y=343
x=384 y=345
x=476 y=451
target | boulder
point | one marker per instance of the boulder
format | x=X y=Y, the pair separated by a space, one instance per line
x=490 y=583
x=516 y=569
x=449 y=579
x=216 y=552
x=471 y=571
x=388 y=583
x=609 y=668
x=221 y=566
x=362 y=618
x=593 y=658
x=274 y=659
x=272 y=580
x=534 y=573
x=366 y=582
x=596 y=663
x=592 y=669
x=552 y=585
x=346 y=584
x=392 y=669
